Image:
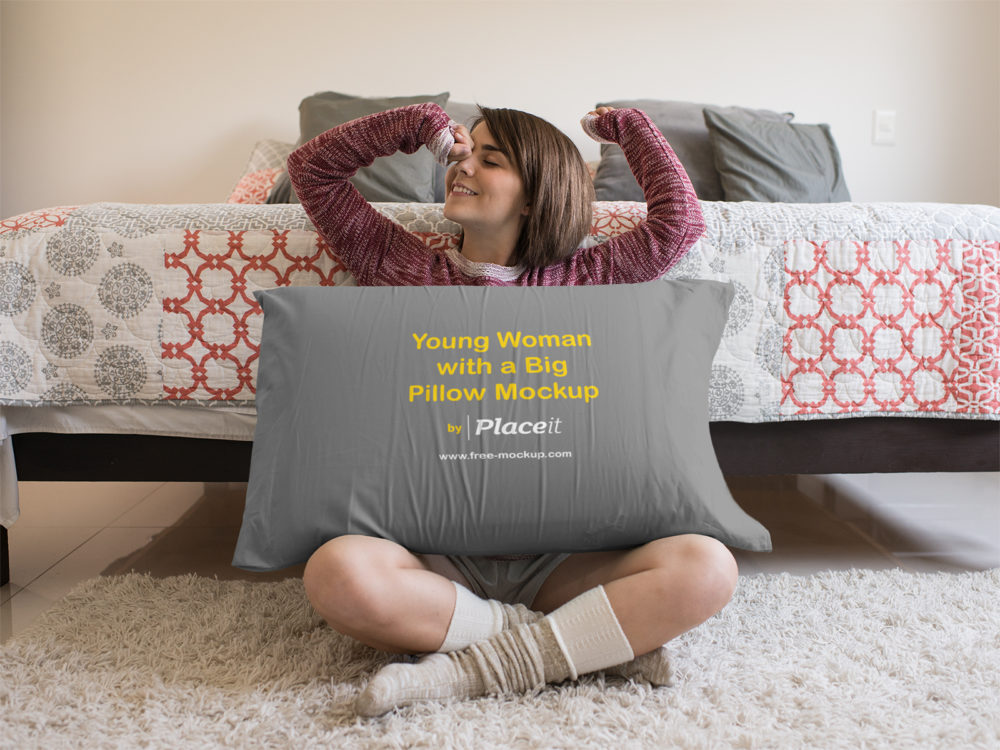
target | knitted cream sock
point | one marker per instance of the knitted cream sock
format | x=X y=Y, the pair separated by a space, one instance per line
x=589 y=634
x=653 y=668
x=581 y=636
x=477 y=619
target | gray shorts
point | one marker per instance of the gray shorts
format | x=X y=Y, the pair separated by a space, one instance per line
x=511 y=580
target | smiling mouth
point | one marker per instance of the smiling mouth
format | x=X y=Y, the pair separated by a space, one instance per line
x=462 y=190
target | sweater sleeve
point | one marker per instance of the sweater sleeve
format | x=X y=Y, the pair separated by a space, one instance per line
x=673 y=222
x=373 y=248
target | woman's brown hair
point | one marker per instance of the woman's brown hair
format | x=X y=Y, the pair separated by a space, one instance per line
x=556 y=181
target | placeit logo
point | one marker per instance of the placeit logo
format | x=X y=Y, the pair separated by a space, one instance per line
x=499 y=426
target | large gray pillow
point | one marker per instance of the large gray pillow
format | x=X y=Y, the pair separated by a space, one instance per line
x=400 y=178
x=599 y=440
x=782 y=162
x=683 y=125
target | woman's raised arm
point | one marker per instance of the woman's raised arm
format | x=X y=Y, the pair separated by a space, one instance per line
x=673 y=222
x=375 y=249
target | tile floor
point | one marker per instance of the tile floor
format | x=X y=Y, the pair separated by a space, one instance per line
x=69 y=532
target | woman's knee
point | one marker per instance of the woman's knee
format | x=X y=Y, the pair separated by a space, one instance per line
x=342 y=578
x=706 y=568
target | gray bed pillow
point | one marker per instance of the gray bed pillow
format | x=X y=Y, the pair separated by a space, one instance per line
x=783 y=162
x=683 y=125
x=598 y=440
x=401 y=178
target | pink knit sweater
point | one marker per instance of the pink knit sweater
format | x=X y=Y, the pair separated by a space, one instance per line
x=380 y=252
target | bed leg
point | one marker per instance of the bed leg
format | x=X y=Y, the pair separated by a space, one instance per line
x=4 y=557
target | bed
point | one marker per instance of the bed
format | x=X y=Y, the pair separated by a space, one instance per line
x=864 y=337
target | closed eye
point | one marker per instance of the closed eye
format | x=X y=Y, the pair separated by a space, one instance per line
x=489 y=149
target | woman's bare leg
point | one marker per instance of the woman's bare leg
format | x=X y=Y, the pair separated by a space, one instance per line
x=605 y=609
x=381 y=594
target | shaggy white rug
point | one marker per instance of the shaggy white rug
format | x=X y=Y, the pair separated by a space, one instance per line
x=859 y=659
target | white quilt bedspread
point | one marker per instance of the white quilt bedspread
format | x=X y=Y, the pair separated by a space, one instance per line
x=841 y=309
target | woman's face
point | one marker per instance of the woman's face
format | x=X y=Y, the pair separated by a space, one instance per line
x=484 y=190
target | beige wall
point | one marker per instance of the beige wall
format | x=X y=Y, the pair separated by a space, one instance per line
x=161 y=101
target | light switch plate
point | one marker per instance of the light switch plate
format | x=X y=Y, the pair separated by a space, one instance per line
x=884 y=127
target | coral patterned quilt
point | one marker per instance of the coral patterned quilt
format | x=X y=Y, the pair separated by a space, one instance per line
x=841 y=309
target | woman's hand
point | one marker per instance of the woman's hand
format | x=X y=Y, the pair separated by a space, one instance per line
x=589 y=122
x=463 y=144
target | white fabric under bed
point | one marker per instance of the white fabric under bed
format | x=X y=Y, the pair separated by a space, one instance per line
x=220 y=423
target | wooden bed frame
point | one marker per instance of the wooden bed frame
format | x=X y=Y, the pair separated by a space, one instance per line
x=834 y=446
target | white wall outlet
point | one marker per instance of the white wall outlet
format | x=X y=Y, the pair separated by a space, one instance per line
x=884 y=127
